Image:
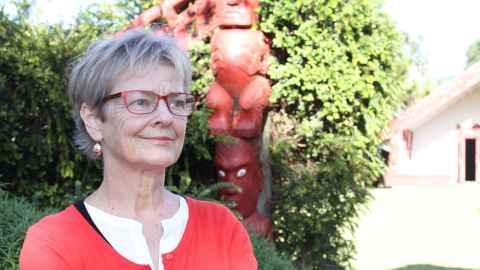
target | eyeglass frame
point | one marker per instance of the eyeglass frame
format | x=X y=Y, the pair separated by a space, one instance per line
x=124 y=93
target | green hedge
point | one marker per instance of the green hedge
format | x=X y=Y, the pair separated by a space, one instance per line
x=39 y=160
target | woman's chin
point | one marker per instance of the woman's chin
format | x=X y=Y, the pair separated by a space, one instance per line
x=160 y=163
x=152 y=162
x=146 y=159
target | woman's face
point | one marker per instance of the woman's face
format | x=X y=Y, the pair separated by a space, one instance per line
x=149 y=141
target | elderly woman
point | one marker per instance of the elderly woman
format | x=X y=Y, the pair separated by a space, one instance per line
x=131 y=104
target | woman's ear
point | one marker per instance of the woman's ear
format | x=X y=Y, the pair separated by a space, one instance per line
x=92 y=122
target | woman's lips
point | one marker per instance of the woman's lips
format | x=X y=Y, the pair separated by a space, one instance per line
x=161 y=139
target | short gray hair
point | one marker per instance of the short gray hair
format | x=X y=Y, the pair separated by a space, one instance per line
x=133 y=52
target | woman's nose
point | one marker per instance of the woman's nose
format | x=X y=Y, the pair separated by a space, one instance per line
x=162 y=114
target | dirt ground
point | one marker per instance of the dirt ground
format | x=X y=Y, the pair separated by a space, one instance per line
x=437 y=227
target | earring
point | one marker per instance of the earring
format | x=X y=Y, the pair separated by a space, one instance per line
x=97 y=149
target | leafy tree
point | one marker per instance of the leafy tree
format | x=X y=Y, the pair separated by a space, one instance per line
x=338 y=75
x=473 y=53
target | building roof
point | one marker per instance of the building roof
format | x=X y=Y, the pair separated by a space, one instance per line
x=430 y=106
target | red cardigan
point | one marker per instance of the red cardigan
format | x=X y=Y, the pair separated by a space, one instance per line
x=213 y=240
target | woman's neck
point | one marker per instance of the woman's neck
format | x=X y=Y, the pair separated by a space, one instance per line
x=130 y=193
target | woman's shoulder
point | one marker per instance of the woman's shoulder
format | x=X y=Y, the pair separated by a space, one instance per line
x=207 y=206
x=53 y=241
x=214 y=225
x=56 y=224
x=209 y=211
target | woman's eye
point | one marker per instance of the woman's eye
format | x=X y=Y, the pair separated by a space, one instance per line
x=179 y=104
x=140 y=102
x=221 y=173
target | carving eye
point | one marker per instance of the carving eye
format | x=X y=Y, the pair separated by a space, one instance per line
x=241 y=172
x=221 y=173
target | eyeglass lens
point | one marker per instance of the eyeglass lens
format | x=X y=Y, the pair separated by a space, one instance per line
x=143 y=102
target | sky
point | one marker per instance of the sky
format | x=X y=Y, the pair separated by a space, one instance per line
x=444 y=28
x=60 y=10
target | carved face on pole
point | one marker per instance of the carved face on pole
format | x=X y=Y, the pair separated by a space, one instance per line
x=237 y=163
x=235 y=13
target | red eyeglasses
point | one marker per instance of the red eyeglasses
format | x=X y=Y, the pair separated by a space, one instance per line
x=145 y=101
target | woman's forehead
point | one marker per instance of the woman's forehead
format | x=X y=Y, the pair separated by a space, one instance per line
x=162 y=78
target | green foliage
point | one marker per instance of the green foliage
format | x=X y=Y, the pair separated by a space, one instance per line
x=316 y=205
x=338 y=75
x=38 y=154
x=40 y=161
x=338 y=64
x=473 y=53
x=419 y=85
x=132 y=8
x=17 y=216
x=267 y=256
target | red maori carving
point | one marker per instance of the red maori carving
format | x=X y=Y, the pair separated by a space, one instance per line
x=235 y=13
x=237 y=163
x=239 y=93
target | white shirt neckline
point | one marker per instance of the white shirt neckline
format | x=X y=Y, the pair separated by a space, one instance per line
x=126 y=235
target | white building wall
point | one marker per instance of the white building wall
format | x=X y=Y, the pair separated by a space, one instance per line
x=435 y=143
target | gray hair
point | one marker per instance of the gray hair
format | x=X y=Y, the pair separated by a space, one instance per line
x=132 y=52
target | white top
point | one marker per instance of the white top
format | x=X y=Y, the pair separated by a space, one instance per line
x=126 y=235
